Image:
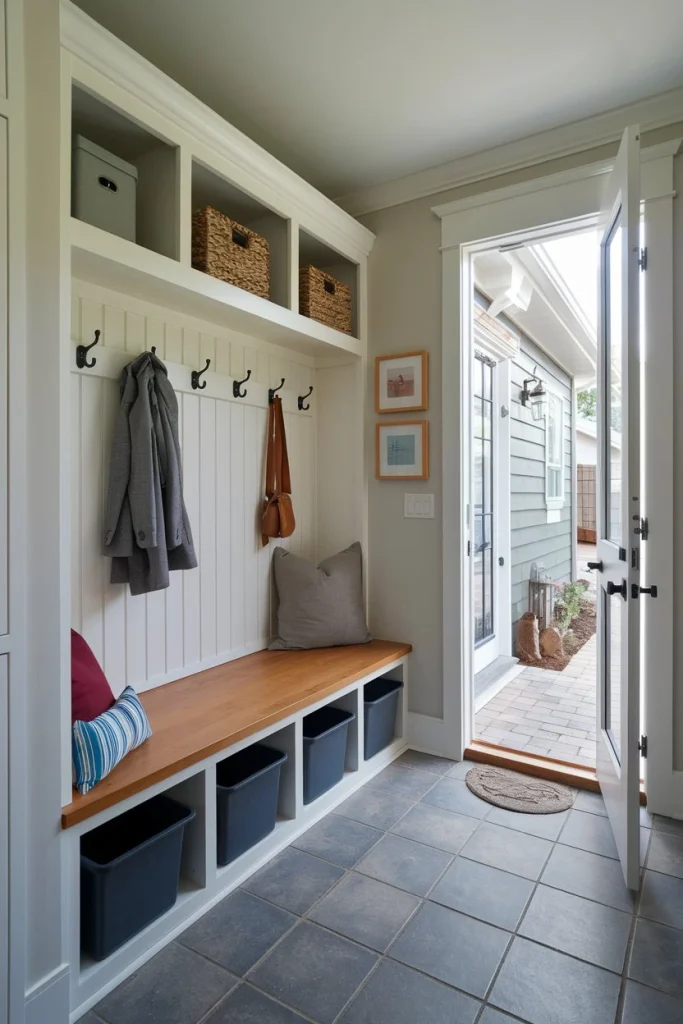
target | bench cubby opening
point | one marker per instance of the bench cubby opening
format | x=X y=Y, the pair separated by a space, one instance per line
x=135 y=866
x=382 y=713
x=255 y=789
x=156 y=162
x=330 y=746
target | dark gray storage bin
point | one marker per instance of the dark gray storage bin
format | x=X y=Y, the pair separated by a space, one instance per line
x=248 y=784
x=325 y=734
x=130 y=868
x=380 y=697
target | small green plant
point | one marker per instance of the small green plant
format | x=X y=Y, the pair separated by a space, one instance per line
x=567 y=604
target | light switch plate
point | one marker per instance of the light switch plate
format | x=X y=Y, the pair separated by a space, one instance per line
x=418 y=506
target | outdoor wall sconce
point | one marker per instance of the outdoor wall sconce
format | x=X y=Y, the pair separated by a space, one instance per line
x=534 y=398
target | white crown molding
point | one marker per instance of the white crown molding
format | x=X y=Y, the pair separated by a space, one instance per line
x=567 y=140
x=549 y=181
x=102 y=51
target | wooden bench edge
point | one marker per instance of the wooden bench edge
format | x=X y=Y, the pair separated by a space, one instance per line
x=79 y=810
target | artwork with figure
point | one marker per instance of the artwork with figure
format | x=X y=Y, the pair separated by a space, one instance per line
x=401 y=382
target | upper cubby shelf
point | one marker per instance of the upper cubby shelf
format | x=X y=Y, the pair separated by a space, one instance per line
x=112 y=262
x=147 y=158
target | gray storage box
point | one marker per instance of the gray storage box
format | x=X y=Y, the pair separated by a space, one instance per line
x=103 y=189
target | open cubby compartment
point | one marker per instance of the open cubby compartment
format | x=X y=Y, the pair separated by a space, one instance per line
x=211 y=189
x=157 y=206
x=193 y=874
x=351 y=702
x=397 y=674
x=284 y=741
x=316 y=253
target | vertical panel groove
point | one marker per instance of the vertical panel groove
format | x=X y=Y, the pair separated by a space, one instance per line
x=221 y=610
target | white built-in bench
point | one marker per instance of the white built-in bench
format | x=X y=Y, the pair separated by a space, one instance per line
x=199 y=720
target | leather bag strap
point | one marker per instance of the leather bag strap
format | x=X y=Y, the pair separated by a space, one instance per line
x=285 y=483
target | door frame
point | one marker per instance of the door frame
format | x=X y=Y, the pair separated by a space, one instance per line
x=565 y=201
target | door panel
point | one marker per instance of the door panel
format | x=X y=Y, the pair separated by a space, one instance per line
x=618 y=504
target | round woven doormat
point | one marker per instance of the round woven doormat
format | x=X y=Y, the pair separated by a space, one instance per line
x=517 y=792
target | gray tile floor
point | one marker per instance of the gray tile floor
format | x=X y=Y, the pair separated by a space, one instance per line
x=416 y=901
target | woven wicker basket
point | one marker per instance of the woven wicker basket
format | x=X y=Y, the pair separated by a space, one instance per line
x=225 y=249
x=324 y=298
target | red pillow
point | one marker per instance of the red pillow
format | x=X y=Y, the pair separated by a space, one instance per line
x=91 y=694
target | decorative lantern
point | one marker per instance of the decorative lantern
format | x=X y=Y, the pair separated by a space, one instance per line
x=534 y=398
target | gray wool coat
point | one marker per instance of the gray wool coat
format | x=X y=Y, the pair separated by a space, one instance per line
x=146 y=529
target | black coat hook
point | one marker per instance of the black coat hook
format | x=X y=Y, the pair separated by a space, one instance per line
x=196 y=374
x=273 y=391
x=301 y=398
x=82 y=354
x=237 y=386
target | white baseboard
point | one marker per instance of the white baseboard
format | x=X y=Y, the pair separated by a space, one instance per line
x=430 y=736
x=47 y=1002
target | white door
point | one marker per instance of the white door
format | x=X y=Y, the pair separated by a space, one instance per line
x=618 y=504
x=490 y=510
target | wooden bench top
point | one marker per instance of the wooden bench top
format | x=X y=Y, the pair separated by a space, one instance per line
x=203 y=714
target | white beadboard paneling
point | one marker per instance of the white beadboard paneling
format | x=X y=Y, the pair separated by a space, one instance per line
x=92 y=596
x=114 y=594
x=192 y=582
x=207 y=526
x=135 y=333
x=238 y=560
x=114 y=327
x=221 y=610
x=223 y=527
x=76 y=538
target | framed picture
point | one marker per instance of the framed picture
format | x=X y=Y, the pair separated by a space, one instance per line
x=401 y=382
x=402 y=450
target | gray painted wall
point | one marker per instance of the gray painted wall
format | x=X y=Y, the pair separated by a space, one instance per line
x=532 y=537
x=404 y=310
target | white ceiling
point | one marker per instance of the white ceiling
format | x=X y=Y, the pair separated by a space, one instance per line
x=351 y=93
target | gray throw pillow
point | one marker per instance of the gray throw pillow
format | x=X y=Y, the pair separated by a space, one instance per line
x=319 y=607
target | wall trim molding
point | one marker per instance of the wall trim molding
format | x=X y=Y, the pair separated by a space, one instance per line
x=104 y=53
x=48 y=999
x=556 y=143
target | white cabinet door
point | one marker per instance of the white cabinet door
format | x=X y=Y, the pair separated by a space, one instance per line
x=4 y=538
x=4 y=848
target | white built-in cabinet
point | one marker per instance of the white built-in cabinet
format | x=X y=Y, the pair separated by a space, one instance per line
x=143 y=294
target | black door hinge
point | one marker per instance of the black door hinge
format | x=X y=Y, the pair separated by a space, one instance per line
x=642 y=261
x=642 y=746
x=469 y=547
x=643 y=529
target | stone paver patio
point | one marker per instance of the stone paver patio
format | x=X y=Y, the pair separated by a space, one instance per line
x=546 y=713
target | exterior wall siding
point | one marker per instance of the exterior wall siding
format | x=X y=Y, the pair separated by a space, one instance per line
x=532 y=537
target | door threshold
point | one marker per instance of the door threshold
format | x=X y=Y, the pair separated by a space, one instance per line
x=542 y=767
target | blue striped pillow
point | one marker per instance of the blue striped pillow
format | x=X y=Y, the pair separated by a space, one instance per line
x=98 y=746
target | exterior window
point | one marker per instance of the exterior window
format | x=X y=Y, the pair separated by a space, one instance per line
x=554 y=453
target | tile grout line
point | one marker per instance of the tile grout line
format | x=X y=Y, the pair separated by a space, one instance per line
x=423 y=900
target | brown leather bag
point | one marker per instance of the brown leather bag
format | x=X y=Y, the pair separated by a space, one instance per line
x=277 y=519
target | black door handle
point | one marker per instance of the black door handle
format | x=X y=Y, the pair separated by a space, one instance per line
x=617 y=588
x=595 y=565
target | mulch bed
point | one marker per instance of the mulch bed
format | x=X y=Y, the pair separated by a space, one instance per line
x=582 y=629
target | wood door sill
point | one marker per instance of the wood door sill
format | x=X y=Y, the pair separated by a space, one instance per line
x=543 y=768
